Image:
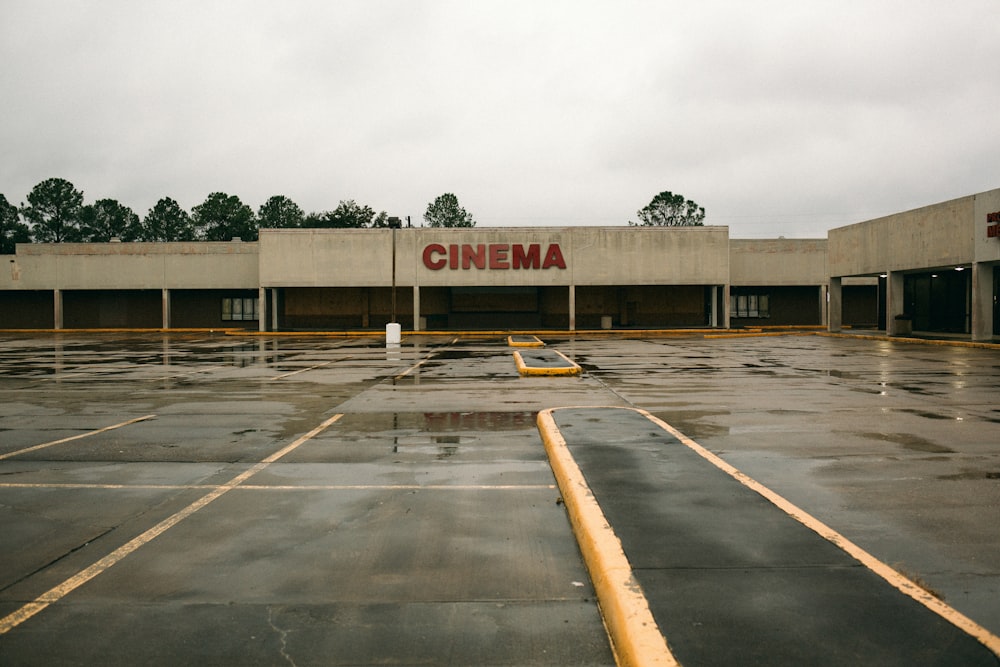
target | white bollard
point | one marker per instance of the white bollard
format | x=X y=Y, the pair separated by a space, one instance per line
x=393 y=334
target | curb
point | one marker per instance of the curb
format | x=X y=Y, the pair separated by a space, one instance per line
x=524 y=369
x=635 y=637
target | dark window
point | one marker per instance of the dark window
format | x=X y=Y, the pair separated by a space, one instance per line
x=240 y=308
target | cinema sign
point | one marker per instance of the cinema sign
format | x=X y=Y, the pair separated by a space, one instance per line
x=494 y=256
x=993 y=225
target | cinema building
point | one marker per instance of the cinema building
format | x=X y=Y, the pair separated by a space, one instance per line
x=936 y=265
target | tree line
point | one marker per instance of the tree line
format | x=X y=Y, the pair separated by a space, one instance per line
x=55 y=212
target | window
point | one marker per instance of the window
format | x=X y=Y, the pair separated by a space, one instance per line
x=749 y=305
x=239 y=309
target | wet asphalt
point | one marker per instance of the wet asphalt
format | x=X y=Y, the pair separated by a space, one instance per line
x=330 y=501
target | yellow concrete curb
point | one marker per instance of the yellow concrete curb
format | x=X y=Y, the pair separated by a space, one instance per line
x=635 y=637
x=199 y=330
x=917 y=341
x=525 y=369
x=530 y=343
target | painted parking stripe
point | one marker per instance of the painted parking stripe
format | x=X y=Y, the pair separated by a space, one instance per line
x=893 y=577
x=74 y=437
x=283 y=487
x=303 y=370
x=600 y=546
x=55 y=594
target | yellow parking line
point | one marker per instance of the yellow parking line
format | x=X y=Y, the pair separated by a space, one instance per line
x=303 y=370
x=278 y=487
x=57 y=593
x=897 y=580
x=74 y=437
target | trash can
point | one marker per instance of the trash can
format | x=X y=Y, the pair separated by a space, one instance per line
x=393 y=334
x=605 y=321
x=904 y=325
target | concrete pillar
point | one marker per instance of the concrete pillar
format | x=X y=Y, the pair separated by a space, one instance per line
x=166 y=309
x=416 y=307
x=713 y=307
x=274 y=308
x=262 y=308
x=834 y=306
x=824 y=309
x=726 y=301
x=572 y=307
x=982 y=301
x=895 y=302
x=57 y=309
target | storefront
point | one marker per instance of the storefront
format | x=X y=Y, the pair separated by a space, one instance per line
x=935 y=267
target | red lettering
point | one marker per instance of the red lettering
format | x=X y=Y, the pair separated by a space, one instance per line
x=429 y=252
x=527 y=260
x=498 y=256
x=993 y=231
x=993 y=217
x=553 y=257
x=473 y=256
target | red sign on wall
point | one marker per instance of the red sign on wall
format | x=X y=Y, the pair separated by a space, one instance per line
x=493 y=256
x=993 y=225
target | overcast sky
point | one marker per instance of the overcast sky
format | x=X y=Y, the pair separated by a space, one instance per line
x=780 y=118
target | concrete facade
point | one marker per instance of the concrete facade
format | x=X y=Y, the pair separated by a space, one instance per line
x=938 y=265
x=932 y=268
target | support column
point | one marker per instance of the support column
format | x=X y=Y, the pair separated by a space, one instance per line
x=572 y=307
x=274 y=308
x=835 y=306
x=57 y=309
x=713 y=314
x=982 y=301
x=262 y=308
x=166 y=309
x=416 y=307
x=895 y=303
x=726 y=302
x=824 y=305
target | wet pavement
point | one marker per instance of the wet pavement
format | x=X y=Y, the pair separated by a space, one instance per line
x=729 y=576
x=422 y=525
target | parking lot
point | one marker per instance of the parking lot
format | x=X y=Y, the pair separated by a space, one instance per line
x=307 y=500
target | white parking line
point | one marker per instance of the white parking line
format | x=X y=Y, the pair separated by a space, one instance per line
x=55 y=594
x=74 y=437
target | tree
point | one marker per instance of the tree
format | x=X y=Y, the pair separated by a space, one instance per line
x=106 y=219
x=53 y=211
x=223 y=217
x=280 y=212
x=167 y=221
x=446 y=212
x=348 y=215
x=670 y=210
x=12 y=230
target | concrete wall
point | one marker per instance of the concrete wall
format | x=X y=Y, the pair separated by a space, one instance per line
x=934 y=236
x=778 y=262
x=987 y=249
x=121 y=266
x=592 y=256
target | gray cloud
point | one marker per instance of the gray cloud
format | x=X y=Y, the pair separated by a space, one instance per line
x=780 y=118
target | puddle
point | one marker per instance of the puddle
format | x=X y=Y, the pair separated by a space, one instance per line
x=976 y=474
x=912 y=442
